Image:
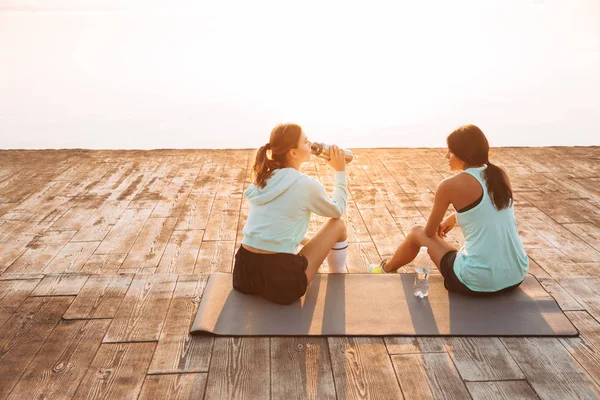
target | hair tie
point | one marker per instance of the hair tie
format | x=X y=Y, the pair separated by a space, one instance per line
x=268 y=146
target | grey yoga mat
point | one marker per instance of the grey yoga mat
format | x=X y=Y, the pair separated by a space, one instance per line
x=373 y=305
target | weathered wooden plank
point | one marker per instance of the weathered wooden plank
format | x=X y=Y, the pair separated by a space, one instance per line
x=12 y=294
x=301 y=368
x=550 y=369
x=52 y=209
x=383 y=229
x=223 y=219
x=589 y=233
x=72 y=257
x=556 y=263
x=215 y=257
x=366 y=196
x=561 y=238
x=375 y=169
x=60 y=285
x=122 y=235
x=429 y=375
x=181 y=253
x=591 y=268
x=239 y=369
x=21 y=339
x=412 y=344
x=173 y=198
x=362 y=368
x=74 y=218
x=174 y=386
x=586 y=291
x=177 y=350
x=88 y=179
x=151 y=192
x=536 y=270
x=396 y=201
x=357 y=230
x=40 y=252
x=97 y=226
x=60 y=365
x=586 y=208
x=233 y=178
x=9 y=229
x=482 y=359
x=195 y=212
x=103 y=264
x=17 y=277
x=117 y=372
x=100 y=297
x=406 y=178
x=586 y=347
x=507 y=390
x=144 y=256
x=142 y=312
x=530 y=237
x=127 y=188
x=565 y=301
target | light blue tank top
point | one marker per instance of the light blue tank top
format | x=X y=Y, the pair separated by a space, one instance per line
x=493 y=256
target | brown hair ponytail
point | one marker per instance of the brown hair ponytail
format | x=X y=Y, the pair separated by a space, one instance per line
x=272 y=155
x=498 y=187
x=470 y=145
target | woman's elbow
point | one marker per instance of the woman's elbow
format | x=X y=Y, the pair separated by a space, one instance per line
x=337 y=213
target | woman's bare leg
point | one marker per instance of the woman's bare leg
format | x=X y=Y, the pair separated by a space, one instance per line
x=409 y=248
x=317 y=248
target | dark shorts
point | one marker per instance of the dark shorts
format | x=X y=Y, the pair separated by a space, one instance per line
x=453 y=284
x=279 y=278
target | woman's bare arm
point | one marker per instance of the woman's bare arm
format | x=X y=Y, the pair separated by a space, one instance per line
x=440 y=206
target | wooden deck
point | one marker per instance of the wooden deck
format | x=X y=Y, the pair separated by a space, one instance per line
x=104 y=256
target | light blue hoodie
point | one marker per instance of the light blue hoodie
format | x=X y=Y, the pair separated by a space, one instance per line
x=280 y=212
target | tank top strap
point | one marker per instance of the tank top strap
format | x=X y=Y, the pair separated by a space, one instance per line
x=476 y=173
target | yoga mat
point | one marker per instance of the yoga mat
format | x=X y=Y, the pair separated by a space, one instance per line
x=376 y=305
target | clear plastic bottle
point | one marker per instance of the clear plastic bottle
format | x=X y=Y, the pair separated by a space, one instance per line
x=422 y=265
x=322 y=150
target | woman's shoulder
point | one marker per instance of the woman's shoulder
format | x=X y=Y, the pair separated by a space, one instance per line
x=455 y=183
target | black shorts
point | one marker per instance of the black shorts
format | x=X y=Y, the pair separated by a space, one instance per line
x=453 y=284
x=279 y=277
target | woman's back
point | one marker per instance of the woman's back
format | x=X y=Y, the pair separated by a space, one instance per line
x=493 y=256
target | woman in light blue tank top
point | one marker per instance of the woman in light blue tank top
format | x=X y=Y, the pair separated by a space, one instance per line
x=493 y=258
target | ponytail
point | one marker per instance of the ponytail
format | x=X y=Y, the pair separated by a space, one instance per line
x=284 y=137
x=263 y=167
x=498 y=186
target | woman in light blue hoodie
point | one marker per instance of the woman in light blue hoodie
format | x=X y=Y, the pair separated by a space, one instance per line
x=281 y=202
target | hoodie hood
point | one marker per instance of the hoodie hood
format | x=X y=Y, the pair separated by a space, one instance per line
x=279 y=182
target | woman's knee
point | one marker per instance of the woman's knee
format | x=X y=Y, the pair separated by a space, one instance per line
x=338 y=224
x=416 y=232
x=342 y=229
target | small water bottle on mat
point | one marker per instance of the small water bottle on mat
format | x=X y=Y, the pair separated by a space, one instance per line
x=422 y=263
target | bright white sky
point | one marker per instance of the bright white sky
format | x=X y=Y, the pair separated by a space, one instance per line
x=133 y=74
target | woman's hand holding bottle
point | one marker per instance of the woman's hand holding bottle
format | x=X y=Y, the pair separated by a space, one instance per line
x=336 y=158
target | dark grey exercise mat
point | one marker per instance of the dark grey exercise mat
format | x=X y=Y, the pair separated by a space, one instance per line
x=373 y=305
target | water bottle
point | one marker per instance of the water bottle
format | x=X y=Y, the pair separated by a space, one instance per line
x=322 y=150
x=422 y=263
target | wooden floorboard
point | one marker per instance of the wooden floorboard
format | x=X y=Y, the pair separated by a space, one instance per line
x=104 y=256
